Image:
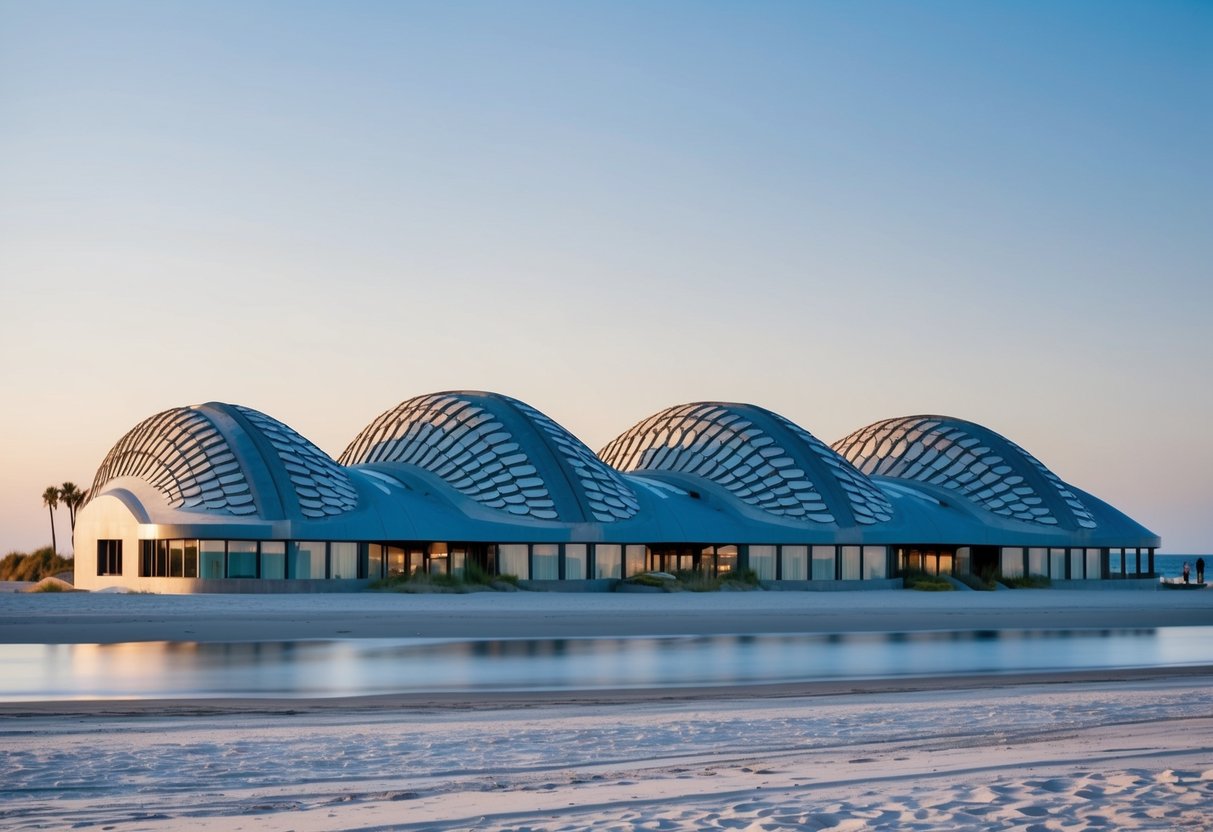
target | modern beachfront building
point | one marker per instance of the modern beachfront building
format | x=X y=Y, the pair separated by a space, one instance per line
x=223 y=498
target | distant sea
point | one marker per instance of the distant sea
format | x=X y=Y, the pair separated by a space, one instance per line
x=1172 y=566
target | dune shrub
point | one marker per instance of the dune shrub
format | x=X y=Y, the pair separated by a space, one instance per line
x=1026 y=582
x=42 y=563
x=473 y=579
x=924 y=582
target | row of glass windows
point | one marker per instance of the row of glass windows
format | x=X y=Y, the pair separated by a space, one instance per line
x=301 y=559
x=312 y=560
x=1058 y=564
x=317 y=560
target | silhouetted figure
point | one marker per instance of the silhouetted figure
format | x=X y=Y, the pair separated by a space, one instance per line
x=1200 y=570
x=1186 y=572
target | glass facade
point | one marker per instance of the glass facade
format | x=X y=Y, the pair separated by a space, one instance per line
x=1038 y=561
x=1011 y=563
x=1094 y=567
x=305 y=560
x=852 y=568
x=241 y=559
x=212 y=554
x=512 y=559
x=273 y=559
x=794 y=563
x=823 y=563
x=608 y=560
x=348 y=560
x=545 y=560
x=574 y=561
x=343 y=560
x=762 y=561
x=875 y=563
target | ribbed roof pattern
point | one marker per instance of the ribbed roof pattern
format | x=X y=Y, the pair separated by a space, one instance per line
x=759 y=457
x=321 y=487
x=499 y=452
x=183 y=455
x=971 y=460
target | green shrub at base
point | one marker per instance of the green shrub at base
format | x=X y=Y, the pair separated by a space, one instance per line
x=1026 y=582
x=923 y=582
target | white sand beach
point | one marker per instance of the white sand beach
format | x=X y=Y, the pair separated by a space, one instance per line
x=1114 y=749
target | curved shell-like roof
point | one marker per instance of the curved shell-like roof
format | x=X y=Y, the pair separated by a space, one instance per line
x=761 y=458
x=501 y=453
x=970 y=460
x=227 y=459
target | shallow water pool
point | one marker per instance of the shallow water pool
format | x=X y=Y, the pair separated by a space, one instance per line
x=153 y=670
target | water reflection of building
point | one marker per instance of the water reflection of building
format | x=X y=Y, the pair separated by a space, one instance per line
x=219 y=497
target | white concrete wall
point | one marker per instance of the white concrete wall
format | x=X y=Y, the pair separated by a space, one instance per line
x=106 y=518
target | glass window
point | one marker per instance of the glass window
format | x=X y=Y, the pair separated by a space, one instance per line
x=574 y=562
x=963 y=559
x=416 y=561
x=851 y=569
x=1076 y=563
x=636 y=558
x=945 y=564
x=512 y=560
x=1093 y=564
x=607 y=557
x=162 y=559
x=875 y=563
x=795 y=562
x=176 y=558
x=438 y=558
x=1057 y=564
x=459 y=559
x=343 y=560
x=273 y=559
x=395 y=560
x=191 y=558
x=305 y=560
x=241 y=559
x=707 y=560
x=726 y=559
x=374 y=560
x=823 y=563
x=545 y=561
x=211 y=554
x=1011 y=564
x=1038 y=562
x=762 y=561
x=109 y=557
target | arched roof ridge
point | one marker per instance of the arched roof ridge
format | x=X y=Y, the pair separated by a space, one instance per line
x=971 y=460
x=759 y=457
x=499 y=452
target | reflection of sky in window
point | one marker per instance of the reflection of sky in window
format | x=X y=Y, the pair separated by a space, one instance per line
x=371 y=666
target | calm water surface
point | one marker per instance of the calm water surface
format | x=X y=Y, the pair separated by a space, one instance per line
x=371 y=666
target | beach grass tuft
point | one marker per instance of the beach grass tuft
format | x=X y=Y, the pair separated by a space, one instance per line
x=924 y=582
x=473 y=579
x=1026 y=582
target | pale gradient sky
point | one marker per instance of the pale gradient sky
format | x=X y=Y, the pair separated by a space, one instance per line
x=840 y=211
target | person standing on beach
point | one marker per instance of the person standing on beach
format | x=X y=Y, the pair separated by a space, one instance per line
x=1200 y=570
x=1185 y=572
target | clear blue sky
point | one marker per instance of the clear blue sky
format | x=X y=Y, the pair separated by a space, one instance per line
x=841 y=211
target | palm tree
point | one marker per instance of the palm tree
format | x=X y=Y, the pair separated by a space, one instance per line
x=72 y=497
x=50 y=499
